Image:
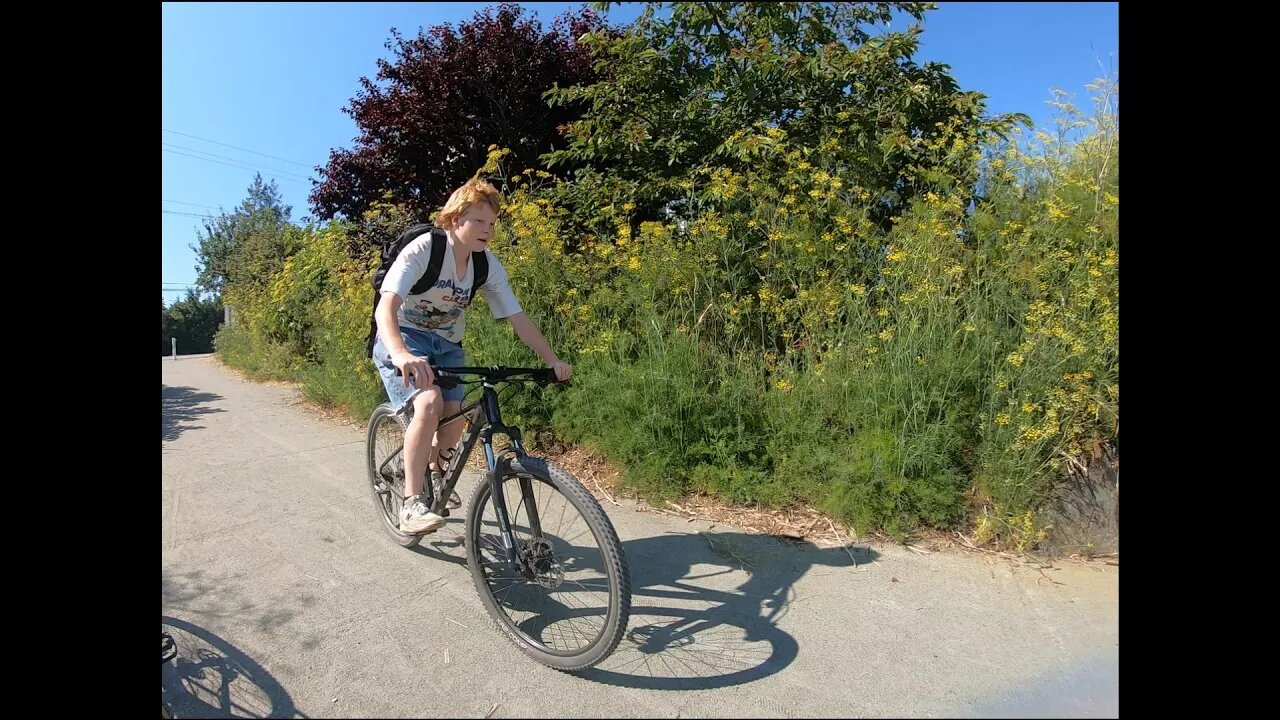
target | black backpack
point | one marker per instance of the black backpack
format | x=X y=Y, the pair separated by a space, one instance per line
x=479 y=260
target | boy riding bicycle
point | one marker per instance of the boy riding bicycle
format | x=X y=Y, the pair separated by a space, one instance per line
x=415 y=331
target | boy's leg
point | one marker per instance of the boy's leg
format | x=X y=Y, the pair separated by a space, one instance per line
x=427 y=405
x=446 y=435
x=417 y=448
x=448 y=355
x=415 y=516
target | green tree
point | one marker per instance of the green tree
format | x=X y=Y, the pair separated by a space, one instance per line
x=235 y=246
x=711 y=84
x=193 y=321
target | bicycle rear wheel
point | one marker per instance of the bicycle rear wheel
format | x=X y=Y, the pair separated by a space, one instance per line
x=385 y=449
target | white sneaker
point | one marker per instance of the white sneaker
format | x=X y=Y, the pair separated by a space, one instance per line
x=416 y=517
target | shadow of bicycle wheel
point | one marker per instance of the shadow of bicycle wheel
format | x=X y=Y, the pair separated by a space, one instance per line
x=210 y=677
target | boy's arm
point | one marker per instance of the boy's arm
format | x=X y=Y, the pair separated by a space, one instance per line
x=408 y=266
x=411 y=367
x=388 y=327
x=529 y=335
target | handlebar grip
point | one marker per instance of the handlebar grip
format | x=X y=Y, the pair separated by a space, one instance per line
x=443 y=381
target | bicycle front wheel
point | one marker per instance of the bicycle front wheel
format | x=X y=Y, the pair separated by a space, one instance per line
x=571 y=610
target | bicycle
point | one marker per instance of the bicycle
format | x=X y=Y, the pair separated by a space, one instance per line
x=515 y=562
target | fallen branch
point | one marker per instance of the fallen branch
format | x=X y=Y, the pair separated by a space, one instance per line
x=842 y=543
x=603 y=492
x=1083 y=470
x=720 y=551
x=975 y=548
x=1046 y=577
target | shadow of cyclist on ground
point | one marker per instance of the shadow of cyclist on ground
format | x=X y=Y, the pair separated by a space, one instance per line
x=211 y=678
x=705 y=606
x=697 y=622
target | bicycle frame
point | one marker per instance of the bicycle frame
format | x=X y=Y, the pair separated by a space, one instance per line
x=477 y=430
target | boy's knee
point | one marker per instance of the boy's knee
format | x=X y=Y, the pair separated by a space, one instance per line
x=428 y=404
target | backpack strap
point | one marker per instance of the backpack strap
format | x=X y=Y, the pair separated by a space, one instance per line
x=389 y=254
x=428 y=280
x=480 y=263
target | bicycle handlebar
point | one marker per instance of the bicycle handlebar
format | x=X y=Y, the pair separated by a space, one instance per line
x=450 y=379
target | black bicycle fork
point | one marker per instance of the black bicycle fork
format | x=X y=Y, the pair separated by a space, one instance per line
x=497 y=467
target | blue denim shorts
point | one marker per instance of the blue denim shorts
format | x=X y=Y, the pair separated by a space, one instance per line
x=429 y=345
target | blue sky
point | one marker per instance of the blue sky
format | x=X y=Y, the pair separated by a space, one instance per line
x=260 y=87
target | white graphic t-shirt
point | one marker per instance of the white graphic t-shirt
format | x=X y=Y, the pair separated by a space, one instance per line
x=440 y=308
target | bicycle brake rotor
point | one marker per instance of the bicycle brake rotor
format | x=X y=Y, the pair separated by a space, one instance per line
x=547 y=571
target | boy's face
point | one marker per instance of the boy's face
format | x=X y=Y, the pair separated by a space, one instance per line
x=475 y=227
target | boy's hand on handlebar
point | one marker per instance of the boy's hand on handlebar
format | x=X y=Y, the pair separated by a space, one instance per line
x=563 y=370
x=410 y=365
